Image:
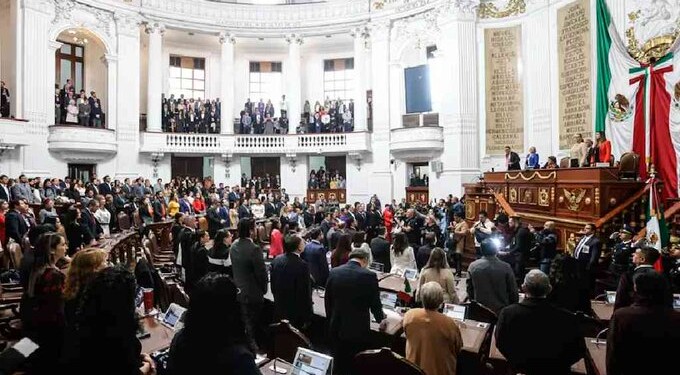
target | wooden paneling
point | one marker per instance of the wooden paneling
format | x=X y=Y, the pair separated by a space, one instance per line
x=339 y=195
x=417 y=194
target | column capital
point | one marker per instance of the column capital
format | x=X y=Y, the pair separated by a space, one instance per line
x=360 y=32
x=154 y=27
x=227 y=37
x=109 y=59
x=53 y=45
x=294 y=38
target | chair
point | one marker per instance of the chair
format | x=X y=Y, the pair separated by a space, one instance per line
x=629 y=166
x=137 y=220
x=123 y=221
x=384 y=361
x=286 y=340
x=477 y=311
x=564 y=162
x=15 y=253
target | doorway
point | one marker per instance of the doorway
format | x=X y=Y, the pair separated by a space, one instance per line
x=190 y=166
x=84 y=172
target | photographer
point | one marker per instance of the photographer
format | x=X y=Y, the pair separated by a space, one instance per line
x=546 y=242
x=482 y=230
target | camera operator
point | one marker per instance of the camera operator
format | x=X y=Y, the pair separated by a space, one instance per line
x=546 y=242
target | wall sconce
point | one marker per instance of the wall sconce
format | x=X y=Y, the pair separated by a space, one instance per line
x=155 y=158
x=226 y=158
x=292 y=161
x=358 y=157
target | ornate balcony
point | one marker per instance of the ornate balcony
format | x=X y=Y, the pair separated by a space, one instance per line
x=81 y=143
x=12 y=133
x=358 y=142
x=417 y=144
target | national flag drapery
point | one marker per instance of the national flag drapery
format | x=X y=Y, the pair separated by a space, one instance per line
x=657 y=231
x=638 y=105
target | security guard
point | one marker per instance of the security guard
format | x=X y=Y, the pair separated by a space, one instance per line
x=623 y=251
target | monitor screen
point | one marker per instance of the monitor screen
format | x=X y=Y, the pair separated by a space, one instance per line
x=378 y=267
x=388 y=300
x=611 y=297
x=456 y=312
x=173 y=315
x=676 y=301
x=410 y=273
x=308 y=362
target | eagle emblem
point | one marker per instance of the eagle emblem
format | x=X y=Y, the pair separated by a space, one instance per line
x=574 y=198
x=620 y=109
x=653 y=238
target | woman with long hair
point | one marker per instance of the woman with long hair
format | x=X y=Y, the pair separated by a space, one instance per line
x=604 y=146
x=340 y=255
x=388 y=220
x=437 y=270
x=214 y=338
x=84 y=266
x=401 y=254
x=42 y=303
x=47 y=214
x=173 y=205
x=359 y=242
x=218 y=257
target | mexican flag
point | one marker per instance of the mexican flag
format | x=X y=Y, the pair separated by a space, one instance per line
x=638 y=105
x=656 y=228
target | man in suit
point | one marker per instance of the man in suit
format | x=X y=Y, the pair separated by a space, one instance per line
x=315 y=256
x=518 y=250
x=105 y=187
x=89 y=221
x=351 y=292
x=291 y=284
x=22 y=190
x=380 y=249
x=5 y=194
x=587 y=253
x=644 y=337
x=512 y=160
x=492 y=282
x=521 y=332
x=215 y=222
x=644 y=260
x=96 y=115
x=250 y=277
x=423 y=253
x=16 y=224
x=4 y=100
x=159 y=208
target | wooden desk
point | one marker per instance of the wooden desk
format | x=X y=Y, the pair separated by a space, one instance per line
x=395 y=283
x=472 y=332
x=280 y=364
x=161 y=336
x=602 y=310
x=499 y=360
x=598 y=355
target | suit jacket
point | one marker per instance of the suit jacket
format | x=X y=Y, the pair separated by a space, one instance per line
x=423 y=255
x=5 y=193
x=521 y=243
x=513 y=163
x=292 y=290
x=214 y=221
x=250 y=274
x=243 y=212
x=522 y=338
x=351 y=292
x=589 y=254
x=90 y=222
x=22 y=191
x=315 y=256
x=380 y=249
x=642 y=331
x=624 y=291
x=105 y=189
x=159 y=211
x=15 y=226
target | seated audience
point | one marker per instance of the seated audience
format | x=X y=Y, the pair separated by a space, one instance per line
x=643 y=338
x=291 y=285
x=551 y=163
x=433 y=340
x=437 y=270
x=492 y=281
x=214 y=337
x=521 y=332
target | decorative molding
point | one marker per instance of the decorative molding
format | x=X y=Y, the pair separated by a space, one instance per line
x=63 y=10
x=466 y=6
x=53 y=45
x=653 y=29
x=109 y=59
x=127 y=24
x=226 y=36
x=294 y=38
x=489 y=9
x=154 y=28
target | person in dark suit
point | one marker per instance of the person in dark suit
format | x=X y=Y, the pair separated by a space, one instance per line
x=423 y=253
x=351 y=292
x=587 y=253
x=159 y=208
x=512 y=160
x=250 y=277
x=16 y=225
x=315 y=256
x=5 y=194
x=644 y=337
x=291 y=285
x=521 y=332
x=243 y=211
x=644 y=260
x=105 y=187
x=89 y=221
x=518 y=249
x=215 y=222
x=380 y=249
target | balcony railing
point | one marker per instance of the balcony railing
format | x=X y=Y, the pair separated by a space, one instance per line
x=82 y=143
x=12 y=133
x=256 y=144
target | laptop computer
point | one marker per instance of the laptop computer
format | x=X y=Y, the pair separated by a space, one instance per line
x=410 y=273
x=377 y=267
x=174 y=317
x=388 y=300
x=457 y=312
x=309 y=362
x=676 y=301
x=610 y=297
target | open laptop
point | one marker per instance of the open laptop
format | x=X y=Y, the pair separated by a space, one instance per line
x=389 y=304
x=457 y=312
x=410 y=273
x=377 y=267
x=610 y=297
x=309 y=362
x=174 y=317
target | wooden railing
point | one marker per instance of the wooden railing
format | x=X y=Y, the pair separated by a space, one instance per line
x=622 y=207
x=667 y=214
x=504 y=204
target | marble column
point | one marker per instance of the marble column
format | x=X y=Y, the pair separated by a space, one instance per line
x=227 y=41
x=155 y=77
x=293 y=82
x=360 y=35
x=111 y=62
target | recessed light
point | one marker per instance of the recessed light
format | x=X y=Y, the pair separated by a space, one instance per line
x=190 y=33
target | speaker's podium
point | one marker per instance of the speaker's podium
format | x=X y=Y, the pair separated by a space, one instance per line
x=571 y=197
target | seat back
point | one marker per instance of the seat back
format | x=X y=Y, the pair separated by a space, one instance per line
x=123 y=221
x=15 y=254
x=564 y=162
x=384 y=361
x=137 y=219
x=477 y=311
x=629 y=165
x=286 y=340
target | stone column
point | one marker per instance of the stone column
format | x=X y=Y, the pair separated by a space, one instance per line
x=227 y=41
x=155 y=77
x=293 y=82
x=360 y=38
x=111 y=62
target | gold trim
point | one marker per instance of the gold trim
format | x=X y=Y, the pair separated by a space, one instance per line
x=573 y=199
x=656 y=47
x=543 y=197
x=536 y=174
x=513 y=195
x=551 y=218
x=488 y=9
